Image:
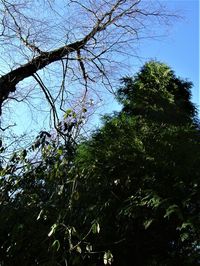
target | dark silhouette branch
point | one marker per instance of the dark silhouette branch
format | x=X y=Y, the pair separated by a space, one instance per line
x=117 y=21
x=9 y=81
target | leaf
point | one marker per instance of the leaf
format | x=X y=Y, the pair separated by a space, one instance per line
x=74 y=115
x=53 y=229
x=24 y=153
x=95 y=228
x=78 y=249
x=89 y=248
x=60 y=152
x=108 y=258
x=60 y=189
x=186 y=224
x=67 y=113
x=184 y=236
x=56 y=245
x=39 y=215
x=76 y=195
x=172 y=209
x=147 y=223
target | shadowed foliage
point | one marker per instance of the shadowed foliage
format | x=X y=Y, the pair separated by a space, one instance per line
x=127 y=196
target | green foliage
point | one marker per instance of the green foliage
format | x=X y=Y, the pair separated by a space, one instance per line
x=127 y=196
x=37 y=189
x=141 y=170
x=155 y=92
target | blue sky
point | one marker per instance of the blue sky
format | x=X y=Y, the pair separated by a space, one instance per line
x=180 y=47
x=177 y=46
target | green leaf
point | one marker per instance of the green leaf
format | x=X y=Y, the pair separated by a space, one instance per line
x=56 y=245
x=95 y=228
x=147 y=223
x=53 y=229
x=89 y=248
x=172 y=209
x=60 y=189
x=184 y=236
x=108 y=258
x=76 y=195
x=60 y=152
x=67 y=113
x=186 y=224
x=39 y=215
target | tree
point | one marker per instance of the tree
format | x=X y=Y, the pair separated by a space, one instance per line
x=37 y=191
x=129 y=194
x=140 y=176
x=43 y=57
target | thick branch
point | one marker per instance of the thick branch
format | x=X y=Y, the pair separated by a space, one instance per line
x=117 y=11
x=9 y=81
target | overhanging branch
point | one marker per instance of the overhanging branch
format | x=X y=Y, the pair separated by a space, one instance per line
x=9 y=81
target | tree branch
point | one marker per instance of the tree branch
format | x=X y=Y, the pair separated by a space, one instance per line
x=9 y=81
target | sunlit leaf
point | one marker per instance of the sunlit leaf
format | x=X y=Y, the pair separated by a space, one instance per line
x=78 y=249
x=53 y=229
x=95 y=228
x=56 y=245
x=108 y=258
x=147 y=223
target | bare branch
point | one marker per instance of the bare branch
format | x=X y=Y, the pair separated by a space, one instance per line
x=77 y=47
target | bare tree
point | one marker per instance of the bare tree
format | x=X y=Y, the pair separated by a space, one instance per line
x=49 y=45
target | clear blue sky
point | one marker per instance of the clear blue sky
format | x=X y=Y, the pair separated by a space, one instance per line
x=180 y=49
